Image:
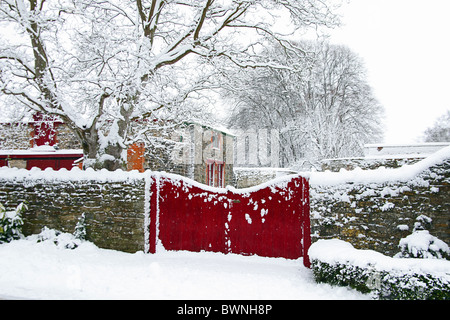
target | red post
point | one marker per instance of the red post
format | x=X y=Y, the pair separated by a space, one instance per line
x=306 y=223
x=153 y=212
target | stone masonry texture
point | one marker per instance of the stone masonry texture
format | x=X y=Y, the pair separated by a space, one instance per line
x=114 y=211
x=377 y=216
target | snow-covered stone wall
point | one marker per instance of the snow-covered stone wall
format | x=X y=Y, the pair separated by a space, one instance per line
x=374 y=209
x=15 y=136
x=113 y=204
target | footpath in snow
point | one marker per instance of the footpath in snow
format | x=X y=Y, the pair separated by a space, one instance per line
x=32 y=270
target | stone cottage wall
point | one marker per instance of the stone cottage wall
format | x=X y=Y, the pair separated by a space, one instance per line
x=15 y=136
x=377 y=215
x=185 y=152
x=113 y=208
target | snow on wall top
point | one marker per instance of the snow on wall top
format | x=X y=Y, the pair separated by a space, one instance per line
x=76 y=174
x=403 y=150
x=381 y=174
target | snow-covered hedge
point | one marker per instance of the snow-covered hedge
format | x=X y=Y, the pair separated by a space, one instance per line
x=338 y=263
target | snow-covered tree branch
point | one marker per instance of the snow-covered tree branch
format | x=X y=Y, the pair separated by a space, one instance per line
x=324 y=108
x=101 y=66
x=440 y=131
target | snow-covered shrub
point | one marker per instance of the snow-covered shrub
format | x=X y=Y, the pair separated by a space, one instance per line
x=60 y=239
x=422 y=223
x=11 y=223
x=413 y=286
x=421 y=244
x=338 y=263
x=80 y=228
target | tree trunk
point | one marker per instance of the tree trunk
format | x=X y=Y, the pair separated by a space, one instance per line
x=106 y=152
x=110 y=158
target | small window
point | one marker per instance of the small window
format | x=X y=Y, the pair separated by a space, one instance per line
x=215 y=174
x=220 y=174
x=215 y=140
x=210 y=174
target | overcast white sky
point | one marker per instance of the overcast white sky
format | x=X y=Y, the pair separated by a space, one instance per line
x=406 y=47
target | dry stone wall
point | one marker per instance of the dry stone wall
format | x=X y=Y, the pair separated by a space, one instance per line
x=114 y=209
x=377 y=215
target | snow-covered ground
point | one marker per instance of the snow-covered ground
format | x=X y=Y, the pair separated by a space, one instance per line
x=31 y=270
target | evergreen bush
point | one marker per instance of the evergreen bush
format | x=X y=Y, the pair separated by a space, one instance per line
x=11 y=223
x=383 y=285
x=80 y=228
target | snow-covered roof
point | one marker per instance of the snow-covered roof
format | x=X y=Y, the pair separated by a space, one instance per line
x=417 y=150
x=215 y=127
x=40 y=150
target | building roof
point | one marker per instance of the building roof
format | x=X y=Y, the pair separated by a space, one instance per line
x=215 y=127
x=45 y=151
x=416 y=150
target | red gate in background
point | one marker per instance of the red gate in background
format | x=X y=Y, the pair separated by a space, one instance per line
x=271 y=220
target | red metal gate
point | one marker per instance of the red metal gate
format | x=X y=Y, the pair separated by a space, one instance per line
x=271 y=220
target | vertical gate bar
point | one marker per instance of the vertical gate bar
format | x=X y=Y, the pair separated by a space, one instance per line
x=153 y=212
x=306 y=223
x=148 y=184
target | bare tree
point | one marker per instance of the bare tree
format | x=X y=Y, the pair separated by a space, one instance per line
x=102 y=65
x=440 y=131
x=323 y=109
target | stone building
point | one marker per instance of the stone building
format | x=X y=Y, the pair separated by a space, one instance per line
x=42 y=142
x=200 y=152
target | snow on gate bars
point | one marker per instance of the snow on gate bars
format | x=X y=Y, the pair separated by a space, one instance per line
x=270 y=220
